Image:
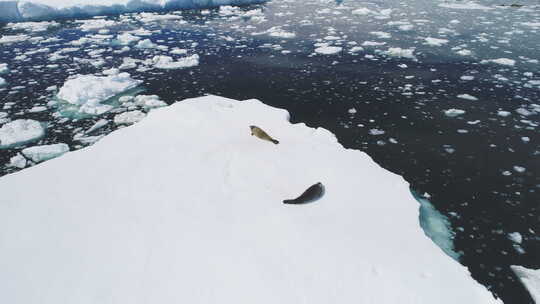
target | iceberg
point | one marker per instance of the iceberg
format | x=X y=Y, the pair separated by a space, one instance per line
x=530 y=278
x=186 y=207
x=22 y=10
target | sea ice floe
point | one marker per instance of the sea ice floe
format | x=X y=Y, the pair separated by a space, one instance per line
x=89 y=91
x=328 y=50
x=168 y=63
x=33 y=26
x=128 y=118
x=146 y=44
x=435 y=41
x=454 y=112
x=13 y=38
x=127 y=38
x=515 y=237
x=19 y=132
x=148 y=101
x=45 y=152
x=2 y=82
x=4 y=68
x=400 y=53
x=278 y=32
x=501 y=61
x=467 y=96
x=17 y=161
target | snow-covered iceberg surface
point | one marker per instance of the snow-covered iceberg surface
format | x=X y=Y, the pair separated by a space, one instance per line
x=13 y=10
x=186 y=207
x=530 y=278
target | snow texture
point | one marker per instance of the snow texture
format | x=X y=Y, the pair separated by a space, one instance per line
x=19 y=10
x=195 y=215
x=530 y=278
x=19 y=132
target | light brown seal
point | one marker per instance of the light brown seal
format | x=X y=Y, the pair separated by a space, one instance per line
x=261 y=134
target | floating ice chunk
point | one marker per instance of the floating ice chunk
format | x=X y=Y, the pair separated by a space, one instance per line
x=376 y=132
x=467 y=96
x=127 y=38
x=168 y=63
x=519 y=169
x=515 y=237
x=33 y=26
x=501 y=61
x=328 y=50
x=153 y=17
x=530 y=278
x=466 y=77
x=356 y=49
x=14 y=38
x=400 y=53
x=276 y=31
x=42 y=153
x=464 y=52
x=96 y=24
x=128 y=118
x=381 y=35
x=178 y=51
x=2 y=82
x=4 y=68
x=128 y=63
x=149 y=101
x=524 y=112
x=37 y=109
x=373 y=43
x=89 y=91
x=98 y=125
x=453 y=112
x=362 y=11
x=466 y=5
x=435 y=41
x=19 y=132
x=17 y=161
x=146 y=44
x=503 y=113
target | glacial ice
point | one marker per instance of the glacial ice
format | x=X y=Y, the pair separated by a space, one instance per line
x=530 y=278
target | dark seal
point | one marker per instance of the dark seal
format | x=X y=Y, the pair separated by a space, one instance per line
x=312 y=193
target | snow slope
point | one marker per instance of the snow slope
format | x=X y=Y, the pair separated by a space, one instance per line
x=186 y=207
x=13 y=10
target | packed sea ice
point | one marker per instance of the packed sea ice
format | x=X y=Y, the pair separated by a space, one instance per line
x=198 y=218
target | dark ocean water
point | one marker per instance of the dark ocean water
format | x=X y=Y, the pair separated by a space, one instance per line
x=391 y=108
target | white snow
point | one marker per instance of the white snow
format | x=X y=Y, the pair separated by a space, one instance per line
x=186 y=207
x=530 y=278
x=168 y=63
x=328 y=50
x=89 y=91
x=42 y=153
x=128 y=118
x=19 y=132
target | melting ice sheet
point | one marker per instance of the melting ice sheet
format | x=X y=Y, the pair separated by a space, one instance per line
x=185 y=207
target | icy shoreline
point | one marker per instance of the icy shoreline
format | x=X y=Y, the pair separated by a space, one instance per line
x=195 y=216
x=36 y=10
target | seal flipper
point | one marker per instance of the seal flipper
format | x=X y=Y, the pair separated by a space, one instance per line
x=275 y=141
x=291 y=201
